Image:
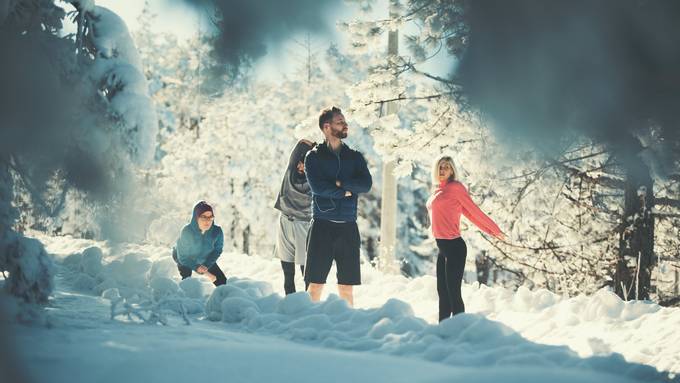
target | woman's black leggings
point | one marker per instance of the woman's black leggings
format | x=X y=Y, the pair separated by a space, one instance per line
x=289 y=276
x=450 y=269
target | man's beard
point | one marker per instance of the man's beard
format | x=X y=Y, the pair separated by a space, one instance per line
x=339 y=133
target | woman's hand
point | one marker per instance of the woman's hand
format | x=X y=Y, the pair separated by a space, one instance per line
x=201 y=269
x=210 y=276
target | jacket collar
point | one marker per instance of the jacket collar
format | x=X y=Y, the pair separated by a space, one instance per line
x=327 y=147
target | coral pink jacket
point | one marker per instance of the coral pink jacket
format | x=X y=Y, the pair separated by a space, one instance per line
x=447 y=203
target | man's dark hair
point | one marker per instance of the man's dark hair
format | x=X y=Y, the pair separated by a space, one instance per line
x=327 y=115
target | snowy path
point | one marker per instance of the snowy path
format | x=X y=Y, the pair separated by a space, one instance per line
x=84 y=347
x=300 y=342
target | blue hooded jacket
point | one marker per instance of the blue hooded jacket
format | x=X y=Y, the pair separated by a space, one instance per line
x=195 y=249
x=323 y=167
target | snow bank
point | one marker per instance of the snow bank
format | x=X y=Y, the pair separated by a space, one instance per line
x=595 y=325
x=134 y=282
x=29 y=278
x=599 y=325
x=467 y=340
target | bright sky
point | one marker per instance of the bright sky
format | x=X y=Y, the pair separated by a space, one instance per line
x=176 y=17
x=173 y=16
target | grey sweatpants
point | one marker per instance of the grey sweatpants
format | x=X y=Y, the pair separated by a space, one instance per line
x=291 y=240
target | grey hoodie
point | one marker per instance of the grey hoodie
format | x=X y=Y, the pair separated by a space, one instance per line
x=295 y=196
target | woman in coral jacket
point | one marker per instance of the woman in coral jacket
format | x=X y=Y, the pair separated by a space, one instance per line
x=448 y=201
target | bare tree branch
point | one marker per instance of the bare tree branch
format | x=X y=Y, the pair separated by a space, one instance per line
x=603 y=180
x=667 y=202
x=506 y=255
x=401 y=97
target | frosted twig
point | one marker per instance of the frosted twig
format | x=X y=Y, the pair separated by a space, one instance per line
x=152 y=306
x=183 y=311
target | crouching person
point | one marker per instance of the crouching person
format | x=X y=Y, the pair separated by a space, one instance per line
x=200 y=245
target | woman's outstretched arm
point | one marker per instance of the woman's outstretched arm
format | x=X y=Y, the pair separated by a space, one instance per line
x=473 y=213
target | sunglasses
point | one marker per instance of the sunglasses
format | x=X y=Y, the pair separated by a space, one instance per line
x=206 y=217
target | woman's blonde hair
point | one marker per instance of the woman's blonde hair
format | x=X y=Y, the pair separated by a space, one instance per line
x=435 y=170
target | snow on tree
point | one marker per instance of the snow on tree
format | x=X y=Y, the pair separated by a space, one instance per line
x=245 y=29
x=75 y=118
x=246 y=133
x=563 y=211
x=118 y=71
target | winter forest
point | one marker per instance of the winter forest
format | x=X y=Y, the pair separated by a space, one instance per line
x=562 y=118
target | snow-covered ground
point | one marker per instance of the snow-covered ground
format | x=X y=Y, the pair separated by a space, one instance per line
x=247 y=330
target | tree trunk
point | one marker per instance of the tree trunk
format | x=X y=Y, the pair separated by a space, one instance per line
x=483 y=264
x=246 y=240
x=636 y=239
x=8 y=213
x=388 y=207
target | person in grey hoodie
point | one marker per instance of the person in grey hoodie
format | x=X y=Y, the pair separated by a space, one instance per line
x=200 y=245
x=294 y=202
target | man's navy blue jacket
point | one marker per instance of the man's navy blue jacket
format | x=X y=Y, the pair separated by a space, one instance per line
x=323 y=167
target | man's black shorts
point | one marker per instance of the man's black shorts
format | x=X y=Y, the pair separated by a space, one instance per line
x=328 y=241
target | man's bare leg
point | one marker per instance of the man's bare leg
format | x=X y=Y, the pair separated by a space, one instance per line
x=345 y=292
x=315 y=290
